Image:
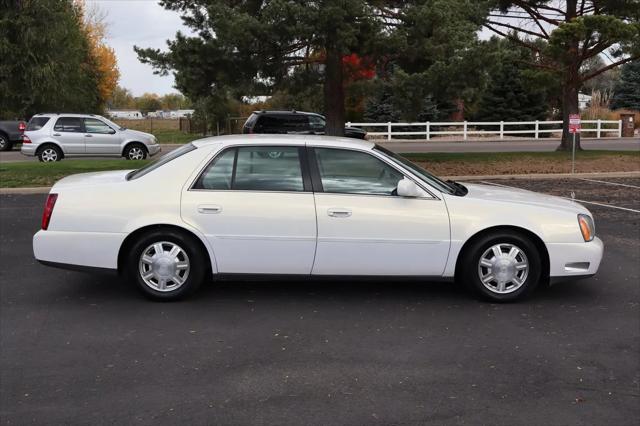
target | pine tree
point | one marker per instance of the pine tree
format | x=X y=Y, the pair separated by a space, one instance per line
x=380 y=107
x=510 y=97
x=430 y=111
x=626 y=93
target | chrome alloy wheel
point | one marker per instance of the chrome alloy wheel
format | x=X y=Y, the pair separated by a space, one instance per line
x=503 y=268
x=164 y=266
x=136 y=153
x=49 y=154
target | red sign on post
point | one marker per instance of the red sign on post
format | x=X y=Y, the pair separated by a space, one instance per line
x=574 y=123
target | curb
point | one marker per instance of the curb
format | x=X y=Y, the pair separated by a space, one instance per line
x=541 y=176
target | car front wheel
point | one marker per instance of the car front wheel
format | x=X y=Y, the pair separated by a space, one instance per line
x=502 y=267
x=135 y=151
x=166 y=265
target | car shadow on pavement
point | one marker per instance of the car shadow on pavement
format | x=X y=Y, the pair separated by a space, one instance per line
x=111 y=287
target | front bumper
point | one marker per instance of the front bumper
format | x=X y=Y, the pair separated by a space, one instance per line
x=574 y=260
x=154 y=149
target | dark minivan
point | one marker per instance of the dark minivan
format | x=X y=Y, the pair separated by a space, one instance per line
x=293 y=122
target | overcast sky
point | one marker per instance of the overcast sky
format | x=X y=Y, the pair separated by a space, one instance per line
x=143 y=23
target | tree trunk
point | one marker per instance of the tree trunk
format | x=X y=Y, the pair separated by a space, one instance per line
x=569 y=106
x=334 y=93
x=571 y=85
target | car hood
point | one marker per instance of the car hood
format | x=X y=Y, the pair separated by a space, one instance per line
x=139 y=134
x=89 y=179
x=521 y=196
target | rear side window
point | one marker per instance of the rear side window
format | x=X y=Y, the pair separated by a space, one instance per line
x=254 y=169
x=37 y=123
x=282 y=123
x=69 y=124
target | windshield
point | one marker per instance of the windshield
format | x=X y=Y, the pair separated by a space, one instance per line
x=432 y=180
x=112 y=124
x=172 y=155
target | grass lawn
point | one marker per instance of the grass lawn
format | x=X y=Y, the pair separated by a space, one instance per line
x=32 y=174
x=174 y=136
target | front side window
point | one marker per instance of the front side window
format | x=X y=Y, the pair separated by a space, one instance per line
x=96 y=126
x=69 y=124
x=254 y=169
x=354 y=172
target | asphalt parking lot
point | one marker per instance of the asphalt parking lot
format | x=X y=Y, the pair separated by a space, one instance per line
x=87 y=349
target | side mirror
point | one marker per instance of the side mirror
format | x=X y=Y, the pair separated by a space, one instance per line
x=408 y=188
x=112 y=132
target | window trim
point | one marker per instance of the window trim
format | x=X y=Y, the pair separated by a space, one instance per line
x=306 y=181
x=317 y=179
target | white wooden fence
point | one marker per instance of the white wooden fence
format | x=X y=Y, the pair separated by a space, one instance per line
x=468 y=128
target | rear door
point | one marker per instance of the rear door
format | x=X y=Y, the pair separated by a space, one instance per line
x=69 y=133
x=256 y=208
x=364 y=228
x=100 y=138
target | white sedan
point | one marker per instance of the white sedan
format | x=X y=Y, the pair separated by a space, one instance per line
x=309 y=206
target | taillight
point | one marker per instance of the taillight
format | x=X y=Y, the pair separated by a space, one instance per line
x=25 y=139
x=48 y=209
x=22 y=127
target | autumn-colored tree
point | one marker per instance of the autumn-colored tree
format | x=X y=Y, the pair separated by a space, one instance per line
x=103 y=57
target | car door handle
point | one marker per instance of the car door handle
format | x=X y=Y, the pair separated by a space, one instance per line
x=339 y=212
x=89 y=136
x=57 y=134
x=209 y=209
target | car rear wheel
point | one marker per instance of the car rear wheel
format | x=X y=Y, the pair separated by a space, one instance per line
x=166 y=265
x=5 y=145
x=49 y=154
x=502 y=267
x=135 y=151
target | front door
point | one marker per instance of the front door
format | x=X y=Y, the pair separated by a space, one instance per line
x=256 y=210
x=364 y=228
x=100 y=138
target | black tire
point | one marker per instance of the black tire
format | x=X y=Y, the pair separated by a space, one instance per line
x=5 y=144
x=197 y=260
x=49 y=154
x=470 y=270
x=134 y=151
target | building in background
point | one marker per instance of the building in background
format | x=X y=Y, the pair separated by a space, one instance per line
x=129 y=114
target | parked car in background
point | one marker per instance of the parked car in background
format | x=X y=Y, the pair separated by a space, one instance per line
x=52 y=137
x=324 y=207
x=293 y=122
x=10 y=134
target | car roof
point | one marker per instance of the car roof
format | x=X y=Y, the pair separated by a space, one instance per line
x=286 y=112
x=65 y=114
x=274 y=139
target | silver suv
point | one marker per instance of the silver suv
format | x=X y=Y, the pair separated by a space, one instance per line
x=51 y=137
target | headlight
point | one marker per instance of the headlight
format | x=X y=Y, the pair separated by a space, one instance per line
x=586 y=227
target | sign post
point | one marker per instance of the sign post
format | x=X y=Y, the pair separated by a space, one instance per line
x=574 y=127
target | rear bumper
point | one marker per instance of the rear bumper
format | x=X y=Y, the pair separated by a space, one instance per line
x=78 y=249
x=574 y=260
x=28 y=149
